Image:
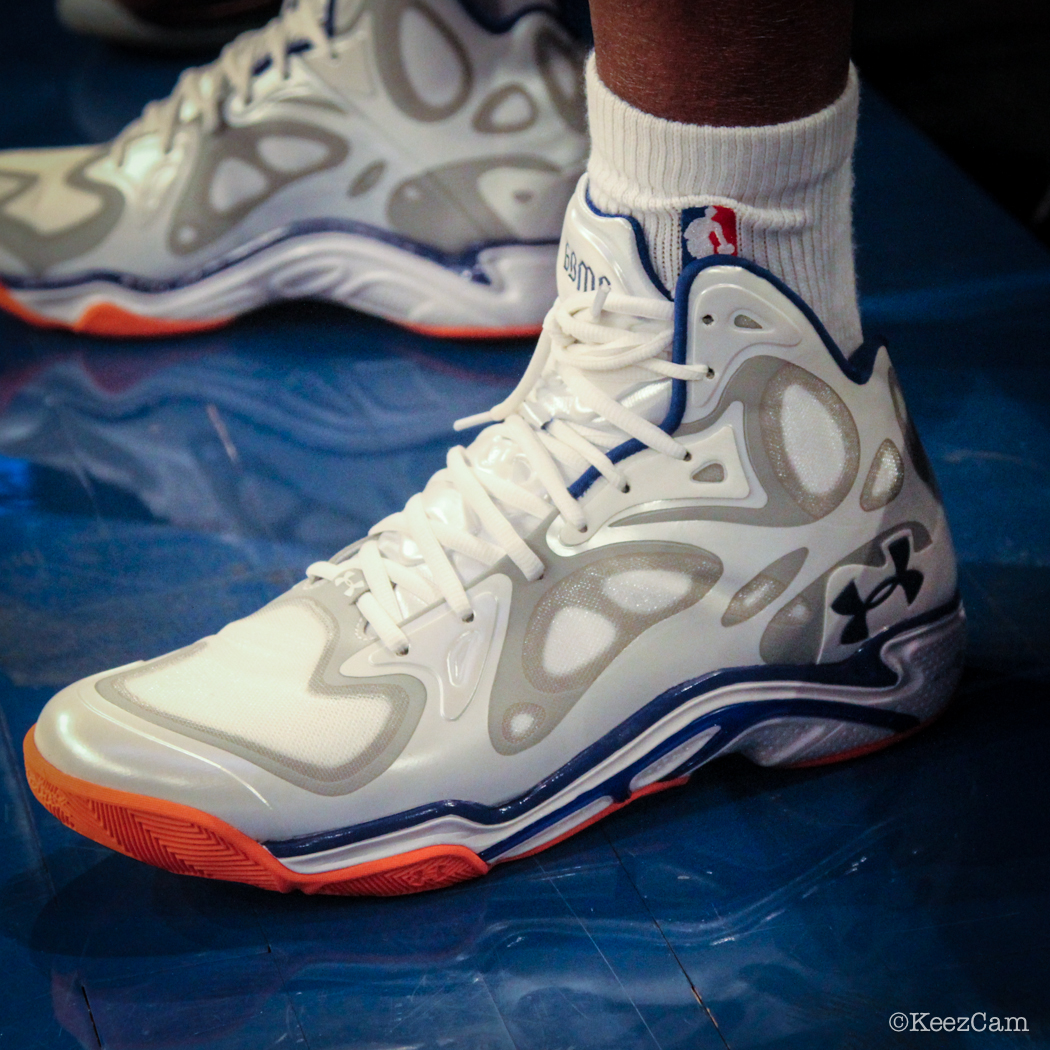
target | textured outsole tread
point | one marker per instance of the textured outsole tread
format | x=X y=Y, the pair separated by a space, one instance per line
x=187 y=841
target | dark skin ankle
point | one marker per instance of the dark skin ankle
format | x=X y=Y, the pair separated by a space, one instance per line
x=729 y=63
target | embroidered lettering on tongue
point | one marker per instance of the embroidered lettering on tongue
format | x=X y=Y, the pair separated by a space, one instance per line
x=708 y=230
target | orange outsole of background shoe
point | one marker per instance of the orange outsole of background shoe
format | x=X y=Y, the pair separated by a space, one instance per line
x=108 y=319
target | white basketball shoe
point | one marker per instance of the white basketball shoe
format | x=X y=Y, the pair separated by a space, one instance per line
x=395 y=156
x=695 y=528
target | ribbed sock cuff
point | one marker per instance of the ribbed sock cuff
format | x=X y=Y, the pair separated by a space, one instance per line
x=789 y=184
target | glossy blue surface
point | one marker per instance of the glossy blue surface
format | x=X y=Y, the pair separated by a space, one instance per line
x=151 y=491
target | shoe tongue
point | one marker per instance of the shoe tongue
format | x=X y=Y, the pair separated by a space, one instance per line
x=601 y=249
x=595 y=249
x=604 y=250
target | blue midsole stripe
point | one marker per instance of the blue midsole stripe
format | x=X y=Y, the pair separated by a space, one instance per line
x=465 y=263
x=732 y=721
x=864 y=669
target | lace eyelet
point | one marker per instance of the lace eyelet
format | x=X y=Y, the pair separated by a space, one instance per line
x=687 y=458
x=707 y=319
x=625 y=489
x=401 y=652
x=469 y=618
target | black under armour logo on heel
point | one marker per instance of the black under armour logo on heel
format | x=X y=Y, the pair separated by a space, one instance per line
x=850 y=603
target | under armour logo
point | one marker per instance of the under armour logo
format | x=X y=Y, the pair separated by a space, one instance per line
x=850 y=603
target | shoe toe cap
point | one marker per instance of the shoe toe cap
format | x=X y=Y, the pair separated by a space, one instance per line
x=83 y=735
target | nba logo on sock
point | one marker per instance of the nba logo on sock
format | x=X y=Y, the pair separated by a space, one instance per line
x=710 y=230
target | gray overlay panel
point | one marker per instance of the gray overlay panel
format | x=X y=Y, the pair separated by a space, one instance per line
x=405 y=695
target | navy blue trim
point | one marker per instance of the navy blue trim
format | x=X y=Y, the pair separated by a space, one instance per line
x=856 y=369
x=639 y=240
x=676 y=409
x=464 y=263
x=731 y=722
x=863 y=669
x=296 y=47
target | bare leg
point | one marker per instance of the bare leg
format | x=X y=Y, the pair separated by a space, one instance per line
x=724 y=62
x=746 y=105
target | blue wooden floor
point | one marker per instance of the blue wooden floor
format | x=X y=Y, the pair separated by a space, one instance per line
x=151 y=491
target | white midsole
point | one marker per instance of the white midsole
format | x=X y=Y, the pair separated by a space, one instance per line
x=915 y=694
x=347 y=268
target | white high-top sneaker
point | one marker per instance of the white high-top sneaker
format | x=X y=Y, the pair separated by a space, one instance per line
x=395 y=156
x=696 y=528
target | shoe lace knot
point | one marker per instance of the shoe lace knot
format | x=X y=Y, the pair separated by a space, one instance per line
x=584 y=335
x=201 y=91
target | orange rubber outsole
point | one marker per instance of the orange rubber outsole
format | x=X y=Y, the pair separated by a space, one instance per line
x=108 y=319
x=188 y=841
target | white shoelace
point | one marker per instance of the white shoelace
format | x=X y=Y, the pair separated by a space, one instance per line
x=200 y=91
x=580 y=335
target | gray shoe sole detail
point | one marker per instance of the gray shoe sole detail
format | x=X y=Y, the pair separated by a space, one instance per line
x=927 y=659
x=349 y=269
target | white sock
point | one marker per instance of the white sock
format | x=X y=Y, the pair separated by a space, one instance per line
x=787 y=188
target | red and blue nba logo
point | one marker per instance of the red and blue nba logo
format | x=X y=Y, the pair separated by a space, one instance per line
x=710 y=230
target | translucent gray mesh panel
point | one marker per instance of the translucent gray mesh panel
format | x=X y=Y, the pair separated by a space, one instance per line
x=743 y=321
x=794 y=635
x=522 y=721
x=507 y=109
x=764 y=588
x=403 y=695
x=389 y=18
x=367 y=179
x=198 y=221
x=811 y=439
x=584 y=621
x=557 y=58
x=885 y=478
x=912 y=442
x=40 y=250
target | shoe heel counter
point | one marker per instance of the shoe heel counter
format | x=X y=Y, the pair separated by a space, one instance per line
x=924 y=493
x=905 y=568
x=901 y=499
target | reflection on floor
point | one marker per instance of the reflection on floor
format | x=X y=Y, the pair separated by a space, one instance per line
x=149 y=492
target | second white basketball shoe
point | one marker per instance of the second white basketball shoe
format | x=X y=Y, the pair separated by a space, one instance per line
x=697 y=527
x=395 y=156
